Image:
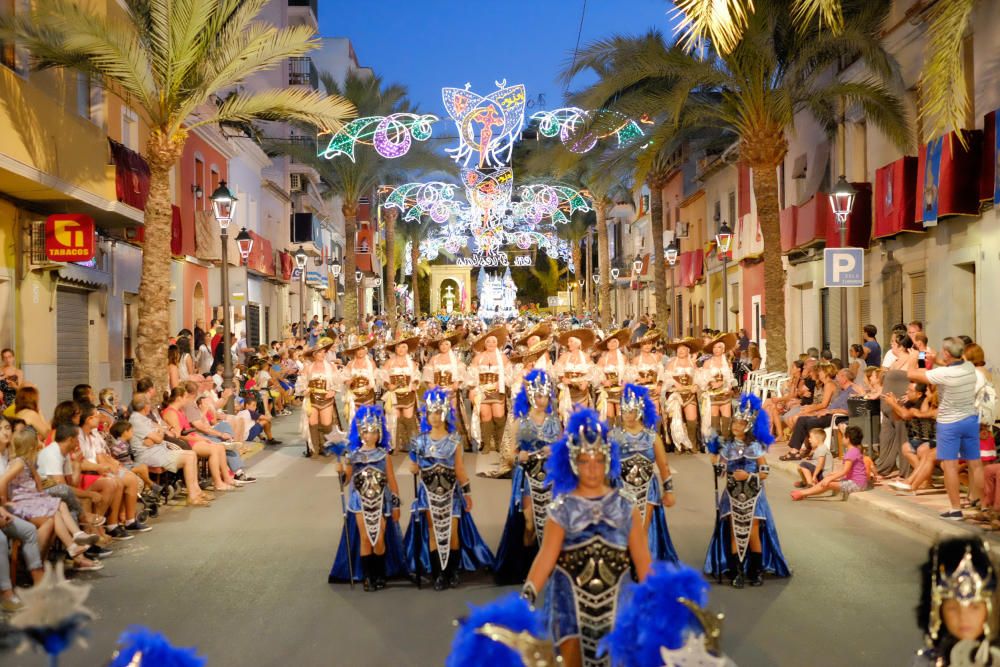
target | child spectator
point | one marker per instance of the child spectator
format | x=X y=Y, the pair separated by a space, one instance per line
x=261 y=423
x=919 y=410
x=853 y=476
x=120 y=448
x=820 y=461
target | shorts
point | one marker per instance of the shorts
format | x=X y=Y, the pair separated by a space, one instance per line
x=88 y=479
x=958 y=440
x=847 y=487
x=916 y=442
x=811 y=467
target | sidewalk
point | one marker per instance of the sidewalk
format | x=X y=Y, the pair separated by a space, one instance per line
x=918 y=512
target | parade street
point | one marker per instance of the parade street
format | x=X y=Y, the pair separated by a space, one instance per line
x=245 y=581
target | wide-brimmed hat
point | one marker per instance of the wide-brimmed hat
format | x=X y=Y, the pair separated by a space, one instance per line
x=691 y=343
x=728 y=338
x=533 y=353
x=650 y=336
x=322 y=345
x=411 y=343
x=454 y=337
x=622 y=336
x=542 y=330
x=586 y=336
x=357 y=345
x=499 y=332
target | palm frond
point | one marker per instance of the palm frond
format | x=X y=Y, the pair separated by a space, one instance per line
x=325 y=112
x=879 y=105
x=828 y=13
x=719 y=22
x=944 y=99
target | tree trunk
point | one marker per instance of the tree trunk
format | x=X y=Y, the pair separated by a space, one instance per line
x=153 y=326
x=604 y=263
x=589 y=282
x=659 y=269
x=414 y=260
x=390 y=216
x=350 y=211
x=765 y=185
x=574 y=287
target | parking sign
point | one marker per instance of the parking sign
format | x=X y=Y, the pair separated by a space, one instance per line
x=843 y=267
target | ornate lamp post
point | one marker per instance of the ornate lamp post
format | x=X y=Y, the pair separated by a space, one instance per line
x=842 y=203
x=300 y=261
x=335 y=269
x=597 y=296
x=245 y=243
x=670 y=254
x=615 y=272
x=636 y=268
x=361 y=311
x=224 y=207
x=724 y=240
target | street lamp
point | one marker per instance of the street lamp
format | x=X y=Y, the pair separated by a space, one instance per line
x=357 y=281
x=671 y=254
x=597 y=294
x=300 y=261
x=224 y=206
x=842 y=203
x=245 y=243
x=724 y=239
x=335 y=269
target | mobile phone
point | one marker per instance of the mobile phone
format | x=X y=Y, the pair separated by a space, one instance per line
x=922 y=360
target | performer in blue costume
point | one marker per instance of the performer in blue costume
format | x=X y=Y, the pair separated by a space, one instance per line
x=642 y=457
x=444 y=496
x=745 y=540
x=373 y=503
x=537 y=428
x=591 y=534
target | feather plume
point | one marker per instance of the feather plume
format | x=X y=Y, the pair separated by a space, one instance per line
x=559 y=469
x=632 y=392
x=363 y=413
x=469 y=647
x=434 y=395
x=521 y=402
x=153 y=650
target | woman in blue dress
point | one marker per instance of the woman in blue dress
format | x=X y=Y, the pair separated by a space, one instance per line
x=376 y=545
x=745 y=540
x=591 y=535
x=444 y=500
x=537 y=428
x=643 y=456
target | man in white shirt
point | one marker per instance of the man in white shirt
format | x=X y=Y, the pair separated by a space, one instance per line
x=957 y=422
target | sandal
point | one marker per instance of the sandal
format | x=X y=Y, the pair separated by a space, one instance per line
x=790 y=456
x=800 y=485
x=199 y=502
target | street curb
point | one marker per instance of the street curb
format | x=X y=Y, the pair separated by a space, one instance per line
x=921 y=522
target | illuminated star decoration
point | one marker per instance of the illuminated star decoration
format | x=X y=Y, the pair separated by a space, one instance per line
x=487 y=125
x=564 y=123
x=54 y=615
x=391 y=136
x=434 y=198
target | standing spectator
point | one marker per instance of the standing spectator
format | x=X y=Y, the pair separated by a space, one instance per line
x=986 y=401
x=743 y=341
x=913 y=328
x=900 y=356
x=873 y=351
x=889 y=358
x=926 y=357
x=856 y=361
x=957 y=422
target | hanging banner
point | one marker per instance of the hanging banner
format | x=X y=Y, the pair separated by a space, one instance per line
x=996 y=163
x=932 y=182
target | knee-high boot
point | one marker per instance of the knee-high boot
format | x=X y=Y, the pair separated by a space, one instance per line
x=315 y=440
x=755 y=568
x=499 y=425
x=692 y=430
x=403 y=435
x=440 y=583
x=717 y=425
x=451 y=570
x=324 y=433
x=735 y=569
x=379 y=571
x=367 y=576
x=486 y=433
x=727 y=426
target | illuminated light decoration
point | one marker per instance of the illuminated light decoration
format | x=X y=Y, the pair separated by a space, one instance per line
x=557 y=202
x=484 y=259
x=414 y=200
x=489 y=191
x=564 y=122
x=488 y=125
x=391 y=136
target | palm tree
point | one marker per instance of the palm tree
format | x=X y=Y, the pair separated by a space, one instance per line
x=172 y=62
x=944 y=100
x=350 y=180
x=753 y=93
x=412 y=232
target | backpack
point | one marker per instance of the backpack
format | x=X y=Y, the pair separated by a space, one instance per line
x=986 y=403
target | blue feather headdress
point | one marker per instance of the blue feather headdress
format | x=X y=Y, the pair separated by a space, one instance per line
x=758 y=423
x=585 y=433
x=436 y=399
x=653 y=618
x=471 y=647
x=368 y=418
x=153 y=650
x=536 y=382
x=636 y=398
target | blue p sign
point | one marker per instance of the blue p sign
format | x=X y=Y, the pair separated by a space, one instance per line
x=843 y=267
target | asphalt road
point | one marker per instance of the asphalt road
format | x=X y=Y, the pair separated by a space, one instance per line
x=245 y=580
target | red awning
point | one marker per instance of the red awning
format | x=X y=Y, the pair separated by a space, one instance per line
x=261 y=257
x=958 y=183
x=131 y=175
x=895 y=197
x=692 y=265
x=859 y=222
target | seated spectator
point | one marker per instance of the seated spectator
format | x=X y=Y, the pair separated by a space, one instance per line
x=820 y=461
x=16 y=528
x=777 y=406
x=98 y=464
x=109 y=408
x=26 y=409
x=853 y=475
x=21 y=487
x=823 y=417
x=826 y=389
x=83 y=394
x=173 y=414
x=120 y=448
x=919 y=410
x=261 y=422
x=149 y=446
x=195 y=409
x=11 y=378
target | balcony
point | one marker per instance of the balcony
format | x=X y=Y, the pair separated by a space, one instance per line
x=302 y=72
x=306 y=9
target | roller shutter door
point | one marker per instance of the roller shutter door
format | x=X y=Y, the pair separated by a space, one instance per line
x=72 y=341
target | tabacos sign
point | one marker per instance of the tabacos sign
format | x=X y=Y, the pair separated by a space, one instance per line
x=69 y=237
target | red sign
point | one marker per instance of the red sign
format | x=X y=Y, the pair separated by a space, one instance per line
x=69 y=237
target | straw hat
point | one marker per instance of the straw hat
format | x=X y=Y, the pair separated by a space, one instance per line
x=586 y=336
x=454 y=337
x=533 y=353
x=499 y=332
x=728 y=338
x=411 y=343
x=357 y=345
x=622 y=336
x=322 y=345
x=691 y=343
x=649 y=337
x=542 y=330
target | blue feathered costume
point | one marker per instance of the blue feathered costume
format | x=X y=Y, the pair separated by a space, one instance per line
x=369 y=494
x=514 y=557
x=440 y=495
x=638 y=480
x=742 y=502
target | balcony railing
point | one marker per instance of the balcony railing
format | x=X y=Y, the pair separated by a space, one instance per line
x=302 y=72
x=312 y=4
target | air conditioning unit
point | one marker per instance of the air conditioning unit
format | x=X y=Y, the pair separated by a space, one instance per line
x=296 y=183
x=37 y=260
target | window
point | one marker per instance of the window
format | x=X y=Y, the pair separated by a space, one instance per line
x=732 y=209
x=130 y=129
x=918 y=296
x=824 y=305
x=199 y=182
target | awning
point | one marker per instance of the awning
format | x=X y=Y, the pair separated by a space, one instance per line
x=895 y=194
x=84 y=276
x=287 y=265
x=261 y=259
x=812 y=220
x=955 y=190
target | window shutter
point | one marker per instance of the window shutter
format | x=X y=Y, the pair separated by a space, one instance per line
x=918 y=297
x=865 y=316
